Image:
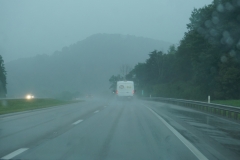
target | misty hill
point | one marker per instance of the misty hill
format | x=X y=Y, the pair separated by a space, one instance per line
x=85 y=66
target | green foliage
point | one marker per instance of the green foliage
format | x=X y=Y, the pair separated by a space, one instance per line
x=207 y=61
x=17 y=105
x=3 y=81
x=113 y=81
x=172 y=49
x=235 y=103
x=228 y=79
x=177 y=90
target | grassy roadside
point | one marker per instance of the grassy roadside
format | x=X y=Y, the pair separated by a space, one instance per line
x=18 y=105
x=235 y=103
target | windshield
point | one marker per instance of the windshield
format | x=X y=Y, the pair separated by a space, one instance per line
x=129 y=79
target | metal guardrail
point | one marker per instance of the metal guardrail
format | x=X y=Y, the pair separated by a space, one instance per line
x=222 y=110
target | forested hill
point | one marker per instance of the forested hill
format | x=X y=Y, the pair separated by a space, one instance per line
x=207 y=61
x=83 y=67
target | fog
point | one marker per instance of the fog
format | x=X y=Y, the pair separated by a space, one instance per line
x=29 y=28
x=60 y=48
x=119 y=79
x=85 y=66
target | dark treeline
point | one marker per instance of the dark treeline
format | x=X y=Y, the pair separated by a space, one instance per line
x=3 y=81
x=206 y=62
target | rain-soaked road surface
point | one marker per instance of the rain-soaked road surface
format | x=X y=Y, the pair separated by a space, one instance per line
x=110 y=129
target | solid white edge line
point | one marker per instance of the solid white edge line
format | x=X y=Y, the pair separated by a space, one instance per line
x=15 y=153
x=96 y=111
x=79 y=121
x=193 y=149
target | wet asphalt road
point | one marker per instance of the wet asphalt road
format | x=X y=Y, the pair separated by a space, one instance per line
x=109 y=129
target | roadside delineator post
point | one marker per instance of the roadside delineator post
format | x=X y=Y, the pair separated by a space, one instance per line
x=208 y=99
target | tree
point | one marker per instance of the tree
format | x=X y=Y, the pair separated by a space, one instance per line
x=124 y=70
x=216 y=67
x=155 y=66
x=138 y=75
x=3 y=81
x=113 y=81
x=206 y=62
x=172 y=49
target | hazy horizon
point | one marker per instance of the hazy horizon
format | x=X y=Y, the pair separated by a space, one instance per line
x=42 y=27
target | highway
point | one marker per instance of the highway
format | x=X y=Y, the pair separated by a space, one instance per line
x=108 y=129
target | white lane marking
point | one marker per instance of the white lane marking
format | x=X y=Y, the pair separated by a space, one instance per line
x=15 y=153
x=193 y=149
x=96 y=111
x=79 y=121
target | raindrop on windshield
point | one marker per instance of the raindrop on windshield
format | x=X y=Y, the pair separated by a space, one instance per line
x=215 y=20
x=213 y=32
x=220 y=8
x=224 y=59
x=232 y=53
x=229 y=6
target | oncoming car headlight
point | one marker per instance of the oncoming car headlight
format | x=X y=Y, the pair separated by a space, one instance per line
x=29 y=96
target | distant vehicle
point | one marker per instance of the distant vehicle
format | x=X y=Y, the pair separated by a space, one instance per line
x=125 y=89
x=29 y=96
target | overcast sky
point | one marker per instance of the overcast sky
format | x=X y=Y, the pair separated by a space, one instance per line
x=30 y=27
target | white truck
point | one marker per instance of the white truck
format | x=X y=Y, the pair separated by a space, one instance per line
x=125 y=89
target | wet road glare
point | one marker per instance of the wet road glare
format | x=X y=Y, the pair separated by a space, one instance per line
x=118 y=129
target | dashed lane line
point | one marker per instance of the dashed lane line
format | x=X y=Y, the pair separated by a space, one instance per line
x=14 y=154
x=79 y=121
